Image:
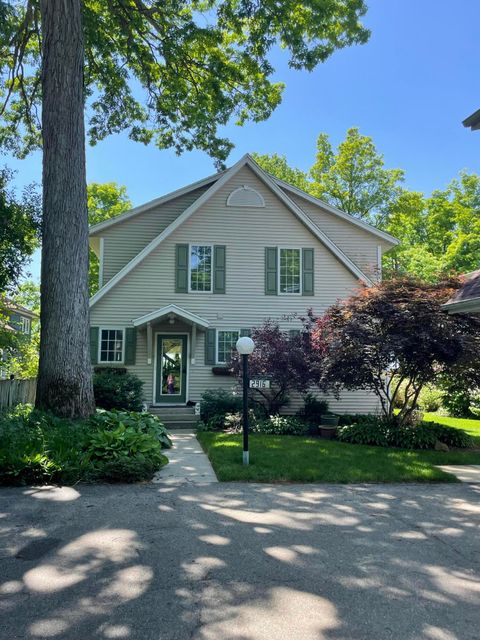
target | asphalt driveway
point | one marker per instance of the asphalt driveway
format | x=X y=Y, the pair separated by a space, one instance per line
x=241 y=562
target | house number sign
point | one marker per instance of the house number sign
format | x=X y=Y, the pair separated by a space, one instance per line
x=259 y=383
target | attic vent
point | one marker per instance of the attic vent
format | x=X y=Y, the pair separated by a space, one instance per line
x=245 y=197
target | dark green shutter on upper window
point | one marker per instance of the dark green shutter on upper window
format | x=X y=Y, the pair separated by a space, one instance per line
x=210 y=337
x=308 y=269
x=94 y=331
x=271 y=271
x=181 y=268
x=219 y=268
x=130 y=345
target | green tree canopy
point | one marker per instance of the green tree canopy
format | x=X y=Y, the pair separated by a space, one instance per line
x=278 y=166
x=172 y=72
x=19 y=230
x=354 y=177
x=105 y=201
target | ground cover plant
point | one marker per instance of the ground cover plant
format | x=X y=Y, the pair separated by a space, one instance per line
x=38 y=448
x=307 y=459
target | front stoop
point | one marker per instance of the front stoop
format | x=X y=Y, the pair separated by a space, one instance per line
x=176 y=417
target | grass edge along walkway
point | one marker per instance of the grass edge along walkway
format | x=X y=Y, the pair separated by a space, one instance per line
x=307 y=459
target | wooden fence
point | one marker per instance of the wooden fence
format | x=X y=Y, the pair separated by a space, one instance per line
x=13 y=392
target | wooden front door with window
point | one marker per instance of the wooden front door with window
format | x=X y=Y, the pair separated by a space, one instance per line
x=171 y=382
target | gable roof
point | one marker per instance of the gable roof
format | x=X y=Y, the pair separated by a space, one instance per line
x=467 y=298
x=131 y=213
x=336 y=212
x=174 y=309
x=223 y=178
x=473 y=121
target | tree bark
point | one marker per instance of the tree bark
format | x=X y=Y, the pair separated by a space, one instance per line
x=64 y=379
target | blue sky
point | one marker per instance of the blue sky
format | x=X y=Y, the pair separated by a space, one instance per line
x=409 y=88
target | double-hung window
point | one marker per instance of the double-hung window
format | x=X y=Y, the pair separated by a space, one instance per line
x=201 y=268
x=26 y=325
x=290 y=270
x=226 y=341
x=111 y=345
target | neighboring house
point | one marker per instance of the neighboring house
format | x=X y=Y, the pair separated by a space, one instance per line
x=473 y=121
x=467 y=298
x=183 y=276
x=14 y=318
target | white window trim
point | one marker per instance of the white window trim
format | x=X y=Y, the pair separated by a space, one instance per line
x=293 y=293
x=26 y=325
x=217 y=332
x=110 y=362
x=198 y=244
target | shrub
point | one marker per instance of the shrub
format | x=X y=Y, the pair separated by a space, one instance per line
x=117 y=389
x=281 y=426
x=346 y=419
x=368 y=430
x=142 y=422
x=374 y=431
x=430 y=399
x=475 y=404
x=312 y=410
x=219 y=402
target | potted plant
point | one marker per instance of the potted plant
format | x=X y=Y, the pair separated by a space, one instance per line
x=328 y=425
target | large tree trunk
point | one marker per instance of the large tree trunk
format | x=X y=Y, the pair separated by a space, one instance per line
x=64 y=378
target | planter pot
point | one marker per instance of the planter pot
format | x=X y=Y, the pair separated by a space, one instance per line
x=329 y=420
x=327 y=432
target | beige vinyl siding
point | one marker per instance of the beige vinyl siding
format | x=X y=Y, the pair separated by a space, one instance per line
x=359 y=245
x=245 y=232
x=125 y=240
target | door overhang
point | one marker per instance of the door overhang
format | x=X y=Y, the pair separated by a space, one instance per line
x=171 y=311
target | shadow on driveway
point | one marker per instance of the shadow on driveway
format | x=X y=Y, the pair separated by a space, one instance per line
x=241 y=562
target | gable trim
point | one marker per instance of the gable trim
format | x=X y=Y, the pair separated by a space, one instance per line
x=225 y=177
x=126 y=215
x=171 y=308
x=336 y=212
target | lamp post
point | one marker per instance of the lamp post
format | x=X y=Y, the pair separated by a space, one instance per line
x=245 y=346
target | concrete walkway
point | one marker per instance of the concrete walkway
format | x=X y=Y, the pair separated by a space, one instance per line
x=466 y=473
x=187 y=462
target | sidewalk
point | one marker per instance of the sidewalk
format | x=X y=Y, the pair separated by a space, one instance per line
x=465 y=473
x=187 y=462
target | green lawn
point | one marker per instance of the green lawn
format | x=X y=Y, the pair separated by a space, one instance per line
x=472 y=427
x=300 y=459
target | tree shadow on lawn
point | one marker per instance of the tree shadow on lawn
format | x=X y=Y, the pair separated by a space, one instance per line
x=240 y=562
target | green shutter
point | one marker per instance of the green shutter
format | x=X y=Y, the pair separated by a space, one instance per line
x=293 y=333
x=210 y=337
x=308 y=269
x=245 y=332
x=130 y=345
x=94 y=331
x=270 y=271
x=219 y=268
x=181 y=268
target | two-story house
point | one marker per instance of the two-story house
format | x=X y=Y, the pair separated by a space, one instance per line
x=13 y=318
x=183 y=276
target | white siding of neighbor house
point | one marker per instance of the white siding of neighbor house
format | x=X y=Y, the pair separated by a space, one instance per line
x=123 y=241
x=245 y=232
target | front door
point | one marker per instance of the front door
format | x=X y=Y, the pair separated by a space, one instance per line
x=171 y=385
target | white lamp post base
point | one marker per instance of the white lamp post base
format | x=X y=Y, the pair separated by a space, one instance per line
x=246 y=457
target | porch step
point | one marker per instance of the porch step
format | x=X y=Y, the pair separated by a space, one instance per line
x=176 y=417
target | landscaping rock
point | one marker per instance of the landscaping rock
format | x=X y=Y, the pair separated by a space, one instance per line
x=441 y=446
